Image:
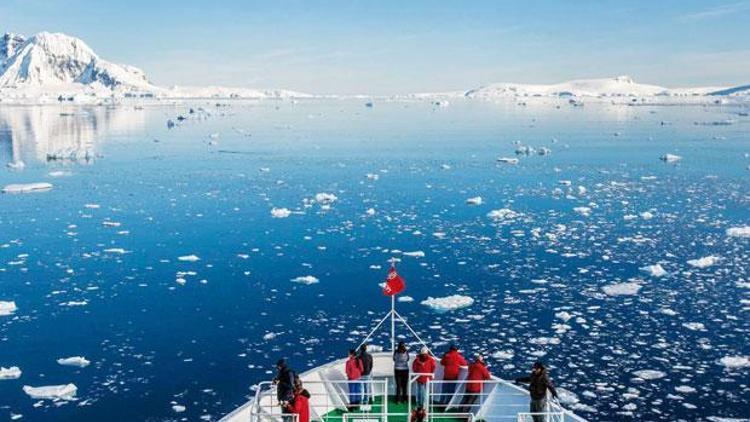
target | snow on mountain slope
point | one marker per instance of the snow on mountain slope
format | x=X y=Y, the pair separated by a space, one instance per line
x=621 y=86
x=54 y=59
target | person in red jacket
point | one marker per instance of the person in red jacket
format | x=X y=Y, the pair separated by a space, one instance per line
x=452 y=362
x=353 y=374
x=477 y=372
x=300 y=405
x=423 y=364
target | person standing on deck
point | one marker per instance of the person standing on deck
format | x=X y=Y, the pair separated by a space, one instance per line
x=452 y=362
x=423 y=364
x=477 y=373
x=300 y=405
x=353 y=374
x=539 y=383
x=284 y=382
x=401 y=371
x=366 y=360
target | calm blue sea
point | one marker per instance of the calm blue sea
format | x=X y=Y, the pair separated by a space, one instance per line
x=93 y=264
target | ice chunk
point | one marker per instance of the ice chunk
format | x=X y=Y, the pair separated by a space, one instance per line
x=694 y=326
x=27 y=187
x=502 y=214
x=405 y=299
x=189 y=258
x=503 y=355
x=507 y=160
x=583 y=211
x=307 y=279
x=280 y=212
x=11 y=373
x=325 y=198
x=565 y=316
x=743 y=231
x=52 y=392
x=414 y=254
x=7 y=308
x=177 y=408
x=704 y=262
x=655 y=270
x=734 y=362
x=477 y=200
x=670 y=158
x=78 y=361
x=448 y=303
x=622 y=289
x=649 y=374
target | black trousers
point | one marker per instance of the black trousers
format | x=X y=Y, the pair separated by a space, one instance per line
x=469 y=400
x=402 y=382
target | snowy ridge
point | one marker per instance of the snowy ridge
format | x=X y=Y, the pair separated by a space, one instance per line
x=620 y=86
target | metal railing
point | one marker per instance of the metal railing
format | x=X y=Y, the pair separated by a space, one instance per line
x=541 y=417
x=330 y=401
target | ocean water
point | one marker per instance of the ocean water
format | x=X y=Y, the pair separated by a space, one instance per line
x=93 y=264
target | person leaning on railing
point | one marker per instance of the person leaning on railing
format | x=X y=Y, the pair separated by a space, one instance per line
x=401 y=371
x=423 y=364
x=452 y=362
x=539 y=383
x=284 y=382
x=353 y=374
x=478 y=373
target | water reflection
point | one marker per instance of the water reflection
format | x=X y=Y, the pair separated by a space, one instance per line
x=68 y=135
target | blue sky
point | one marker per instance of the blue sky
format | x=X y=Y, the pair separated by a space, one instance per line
x=384 y=47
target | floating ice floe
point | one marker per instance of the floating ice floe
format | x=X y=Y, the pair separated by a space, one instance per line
x=189 y=258
x=27 y=187
x=11 y=373
x=52 y=392
x=507 y=160
x=649 y=374
x=655 y=270
x=119 y=251
x=735 y=362
x=370 y=212
x=685 y=389
x=7 y=308
x=177 y=408
x=325 y=198
x=307 y=279
x=448 y=303
x=405 y=299
x=414 y=254
x=503 y=355
x=280 y=212
x=622 y=289
x=670 y=158
x=502 y=214
x=477 y=200
x=563 y=315
x=78 y=361
x=59 y=173
x=704 y=262
x=583 y=211
x=694 y=326
x=743 y=231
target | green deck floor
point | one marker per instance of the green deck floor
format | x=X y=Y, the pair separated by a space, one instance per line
x=375 y=409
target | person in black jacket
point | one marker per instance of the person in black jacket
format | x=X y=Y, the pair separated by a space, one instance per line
x=539 y=383
x=366 y=360
x=284 y=382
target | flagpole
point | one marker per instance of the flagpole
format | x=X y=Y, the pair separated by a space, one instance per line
x=393 y=323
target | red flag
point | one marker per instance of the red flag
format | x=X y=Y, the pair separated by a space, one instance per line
x=394 y=284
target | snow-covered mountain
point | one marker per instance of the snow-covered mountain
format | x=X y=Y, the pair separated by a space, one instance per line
x=621 y=86
x=57 y=60
x=52 y=65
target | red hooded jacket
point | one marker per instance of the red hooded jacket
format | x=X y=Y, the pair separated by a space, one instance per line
x=300 y=406
x=423 y=364
x=353 y=369
x=452 y=363
x=477 y=372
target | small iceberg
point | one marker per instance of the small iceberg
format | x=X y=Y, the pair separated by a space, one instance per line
x=655 y=270
x=649 y=374
x=622 y=289
x=735 y=362
x=414 y=254
x=477 y=200
x=307 y=279
x=280 y=212
x=189 y=258
x=502 y=214
x=704 y=262
x=582 y=211
x=743 y=231
x=27 y=187
x=78 y=361
x=507 y=160
x=325 y=198
x=670 y=158
x=52 y=392
x=7 y=308
x=11 y=373
x=448 y=303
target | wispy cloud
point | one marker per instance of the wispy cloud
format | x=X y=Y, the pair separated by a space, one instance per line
x=716 y=12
